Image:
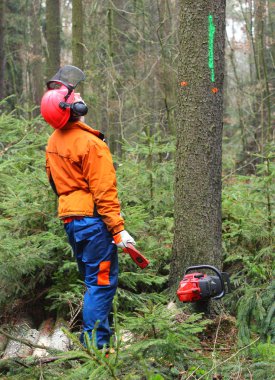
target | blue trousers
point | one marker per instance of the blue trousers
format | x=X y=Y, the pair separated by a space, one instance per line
x=97 y=260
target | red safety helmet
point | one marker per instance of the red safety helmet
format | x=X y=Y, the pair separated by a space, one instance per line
x=51 y=111
x=60 y=101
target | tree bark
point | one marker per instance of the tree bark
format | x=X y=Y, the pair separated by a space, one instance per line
x=77 y=38
x=197 y=236
x=53 y=29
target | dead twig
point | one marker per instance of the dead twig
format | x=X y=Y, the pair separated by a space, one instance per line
x=230 y=357
x=225 y=349
x=21 y=363
x=193 y=373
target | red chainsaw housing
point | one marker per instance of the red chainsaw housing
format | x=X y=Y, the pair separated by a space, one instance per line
x=189 y=289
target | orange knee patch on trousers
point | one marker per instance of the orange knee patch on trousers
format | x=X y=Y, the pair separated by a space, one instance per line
x=103 y=277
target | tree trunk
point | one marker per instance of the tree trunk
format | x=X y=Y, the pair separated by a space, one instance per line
x=111 y=99
x=16 y=34
x=77 y=38
x=53 y=29
x=197 y=237
x=115 y=40
x=247 y=162
x=167 y=80
x=265 y=133
x=36 y=57
x=2 y=50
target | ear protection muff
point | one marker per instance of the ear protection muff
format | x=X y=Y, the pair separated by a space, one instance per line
x=77 y=108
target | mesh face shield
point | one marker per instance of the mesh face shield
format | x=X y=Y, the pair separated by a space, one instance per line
x=68 y=75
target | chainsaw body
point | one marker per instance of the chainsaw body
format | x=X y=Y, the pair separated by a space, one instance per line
x=199 y=286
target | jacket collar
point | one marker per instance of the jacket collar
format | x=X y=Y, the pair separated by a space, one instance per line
x=85 y=127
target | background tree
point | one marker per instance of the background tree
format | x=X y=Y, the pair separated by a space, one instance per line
x=197 y=238
x=114 y=26
x=35 y=60
x=16 y=28
x=53 y=30
x=2 y=49
x=250 y=43
x=77 y=37
x=264 y=103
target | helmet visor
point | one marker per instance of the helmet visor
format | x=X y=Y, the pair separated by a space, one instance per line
x=68 y=75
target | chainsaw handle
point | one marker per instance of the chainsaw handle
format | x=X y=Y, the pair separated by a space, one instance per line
x=195 y=267
x=136 y=256
x=218 y=273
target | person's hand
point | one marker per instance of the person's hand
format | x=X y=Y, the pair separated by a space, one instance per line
x=123 y=238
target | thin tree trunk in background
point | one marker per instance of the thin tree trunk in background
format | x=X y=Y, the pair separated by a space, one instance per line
x=255 y=17
x=2 y=49
x=16 y=35
x=271 y=30
x=77 y=38
x=110 y=84
x=248 y=162
x=260 y=131
x=53 y=30
x=138 y=53
x=270 y=52
x=264 y=99
x=239 y=103
x=115 y=25
x=197 y=234
x=168 y=82
x=36 y=57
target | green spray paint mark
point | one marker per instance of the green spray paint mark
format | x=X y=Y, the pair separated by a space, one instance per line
x=211 y=34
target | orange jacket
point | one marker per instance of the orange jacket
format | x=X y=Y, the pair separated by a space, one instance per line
x=80 y=167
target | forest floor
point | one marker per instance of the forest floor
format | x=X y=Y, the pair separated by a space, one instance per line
x=218 y=345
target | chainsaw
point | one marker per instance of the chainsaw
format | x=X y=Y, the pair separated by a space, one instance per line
x=201 y=287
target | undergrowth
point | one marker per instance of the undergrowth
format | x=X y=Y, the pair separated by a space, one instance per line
x=38 y=268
